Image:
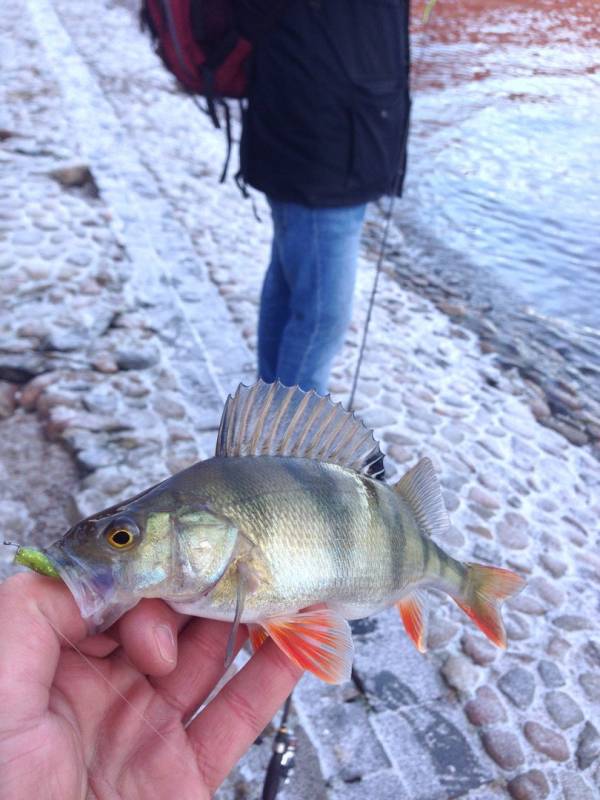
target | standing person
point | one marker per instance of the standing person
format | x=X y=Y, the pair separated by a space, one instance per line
x=324 y=133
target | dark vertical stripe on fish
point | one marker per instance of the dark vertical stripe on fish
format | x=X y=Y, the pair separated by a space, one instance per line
x=427 y=553
x=425 y=546
x=443 y=559
x=335 y=507
x=382 y=513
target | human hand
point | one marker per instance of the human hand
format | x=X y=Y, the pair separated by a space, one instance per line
x=112 y=725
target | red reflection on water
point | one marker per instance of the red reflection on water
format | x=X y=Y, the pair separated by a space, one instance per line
x=487 y=26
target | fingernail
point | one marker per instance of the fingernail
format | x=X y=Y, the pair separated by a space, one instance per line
x=165 y=642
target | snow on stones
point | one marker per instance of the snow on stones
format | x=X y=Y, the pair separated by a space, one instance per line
x=129 y=292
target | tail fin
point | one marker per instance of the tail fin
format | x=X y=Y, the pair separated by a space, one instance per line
x=486 y=589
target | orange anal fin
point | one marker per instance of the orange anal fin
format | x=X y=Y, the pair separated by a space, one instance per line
x=258 y=636
x=413 y=617
x=318 y=640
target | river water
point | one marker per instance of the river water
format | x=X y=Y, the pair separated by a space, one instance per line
x=502 y=198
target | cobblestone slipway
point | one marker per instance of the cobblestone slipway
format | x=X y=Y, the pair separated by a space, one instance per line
x=129 y=281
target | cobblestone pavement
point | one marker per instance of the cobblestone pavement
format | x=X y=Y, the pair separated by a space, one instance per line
x=129 y=282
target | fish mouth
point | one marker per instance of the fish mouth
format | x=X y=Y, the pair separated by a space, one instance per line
x=94 y=592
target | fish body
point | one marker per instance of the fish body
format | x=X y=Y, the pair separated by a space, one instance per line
x=289 y=529
x=316 y=533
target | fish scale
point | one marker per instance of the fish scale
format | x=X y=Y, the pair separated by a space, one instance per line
x=312 y=523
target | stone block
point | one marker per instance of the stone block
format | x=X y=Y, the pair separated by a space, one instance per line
x=550 y=674
x=340 y=731
x=485 y=708
x=504 y=747
x=385 y=785
x=393 y=672
x=433 y=750
x=518 y=685
x=531 y=785
x=576 y=788
x=547 y=741
x=563 y=709
x=588 y=746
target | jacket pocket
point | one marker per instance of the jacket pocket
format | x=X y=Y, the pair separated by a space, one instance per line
x=378 y=116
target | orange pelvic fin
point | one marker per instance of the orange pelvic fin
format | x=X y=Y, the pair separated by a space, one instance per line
x=487 y=588
x=319 y=641
x=257 y=635
x=413 y=616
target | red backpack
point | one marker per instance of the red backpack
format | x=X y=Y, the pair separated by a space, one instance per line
x=199 y=43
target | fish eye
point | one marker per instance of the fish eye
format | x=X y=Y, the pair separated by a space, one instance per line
x=120 y=537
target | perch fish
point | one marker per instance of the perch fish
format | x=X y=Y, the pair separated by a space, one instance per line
x=289 y=529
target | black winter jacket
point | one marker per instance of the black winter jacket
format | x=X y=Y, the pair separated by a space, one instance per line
x=327 y=117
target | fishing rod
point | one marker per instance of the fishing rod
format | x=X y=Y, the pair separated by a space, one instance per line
x=283 y=760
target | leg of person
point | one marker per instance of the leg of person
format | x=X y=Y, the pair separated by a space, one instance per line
x=274 y=302
x=319 y=259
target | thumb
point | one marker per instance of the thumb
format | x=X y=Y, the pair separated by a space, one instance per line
x=33 y=610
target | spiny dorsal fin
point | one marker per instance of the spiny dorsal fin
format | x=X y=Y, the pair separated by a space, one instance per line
x=272 y=419
x=421 y=490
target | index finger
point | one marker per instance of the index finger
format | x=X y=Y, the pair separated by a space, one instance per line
x=34 y=613
x=226 y=728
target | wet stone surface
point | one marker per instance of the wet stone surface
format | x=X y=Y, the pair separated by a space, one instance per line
x=460 y=673
x=532 y=785
x=518 y=685
x=562 y=709
x=486 y=708
x=478 y=649
x=431 y=750
x=547 y=741
x=588 y=746
x=576 y=788
x=572 y=622
x=550 y=674
x=504 y=747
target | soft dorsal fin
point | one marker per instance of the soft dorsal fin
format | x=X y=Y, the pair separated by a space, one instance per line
x=272 y=419
x=421 y=490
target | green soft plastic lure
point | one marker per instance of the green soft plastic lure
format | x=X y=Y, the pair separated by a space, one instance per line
x=36 y=560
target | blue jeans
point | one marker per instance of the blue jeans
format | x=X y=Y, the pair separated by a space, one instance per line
x=306 y=300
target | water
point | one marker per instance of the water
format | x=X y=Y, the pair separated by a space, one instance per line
x=503 y=190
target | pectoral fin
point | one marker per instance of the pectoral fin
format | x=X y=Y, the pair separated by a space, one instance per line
x=247 y=583
x=319 y=641
x=413 y=616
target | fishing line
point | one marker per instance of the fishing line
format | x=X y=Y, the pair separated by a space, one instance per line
x=388 y=219
x=120 y=694
x=419 y=49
